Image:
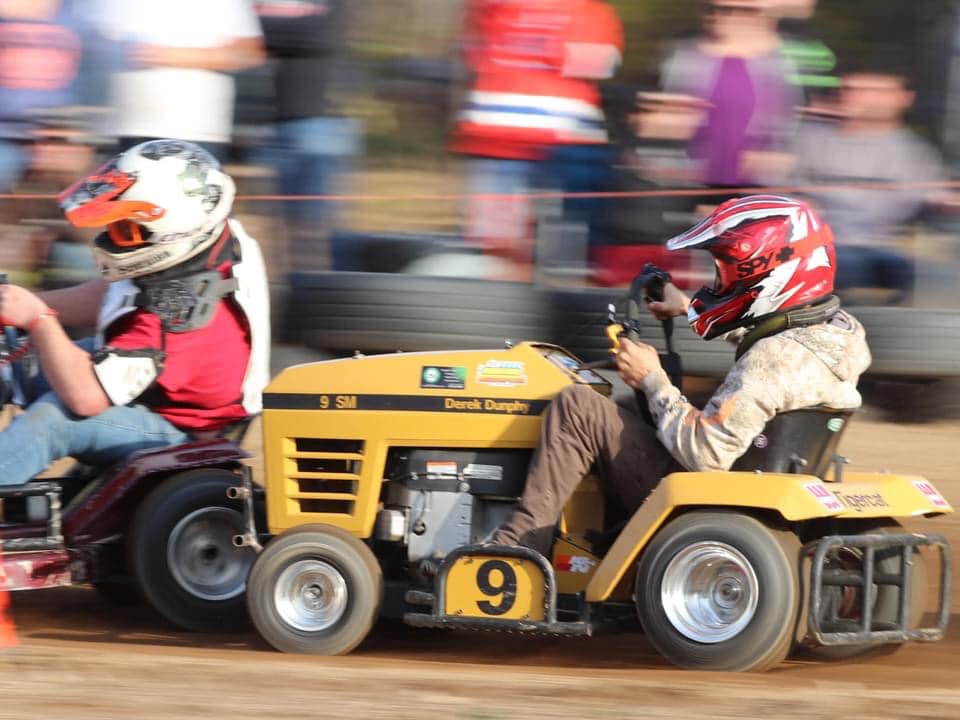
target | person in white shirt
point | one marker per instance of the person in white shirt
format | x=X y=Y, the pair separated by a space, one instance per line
x=176 y=56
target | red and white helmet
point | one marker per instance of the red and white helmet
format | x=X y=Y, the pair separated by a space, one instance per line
x=161 y=202
x=771 y=254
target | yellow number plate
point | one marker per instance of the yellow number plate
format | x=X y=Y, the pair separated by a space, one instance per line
x=497 y=587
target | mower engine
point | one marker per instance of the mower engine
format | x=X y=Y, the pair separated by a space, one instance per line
x=438 y=499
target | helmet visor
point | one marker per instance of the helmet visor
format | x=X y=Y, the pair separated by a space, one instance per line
x=94 y=201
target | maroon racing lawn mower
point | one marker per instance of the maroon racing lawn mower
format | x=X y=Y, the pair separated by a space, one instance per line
x=159 y=524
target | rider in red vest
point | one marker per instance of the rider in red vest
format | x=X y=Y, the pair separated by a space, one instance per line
x=535 y=65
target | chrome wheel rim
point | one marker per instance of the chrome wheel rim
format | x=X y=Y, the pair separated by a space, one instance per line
x=202 y=557
x=311 y=595
x=709 y=592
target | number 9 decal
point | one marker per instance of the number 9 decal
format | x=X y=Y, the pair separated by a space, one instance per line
x=495 y=578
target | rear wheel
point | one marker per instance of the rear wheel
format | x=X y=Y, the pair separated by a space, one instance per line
x=844 y=603
x=316 y=589
x=119 y=593
x=719 y=591
x=182 y=553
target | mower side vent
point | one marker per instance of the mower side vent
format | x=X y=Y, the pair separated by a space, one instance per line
x=325 y=474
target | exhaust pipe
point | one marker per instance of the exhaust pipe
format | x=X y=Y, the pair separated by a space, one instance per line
x=238 y=493
x=246 y=540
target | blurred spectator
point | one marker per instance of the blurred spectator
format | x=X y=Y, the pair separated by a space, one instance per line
x=740 y=73
x=172 y=63
x=814 y=62
x=534 y=66
x=870 y=144
x=313 y=142
x=634 y=227
x=40 y=51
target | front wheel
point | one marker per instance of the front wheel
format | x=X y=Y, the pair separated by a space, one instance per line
x=182 y=553
x=316 y=589
x=719 y=591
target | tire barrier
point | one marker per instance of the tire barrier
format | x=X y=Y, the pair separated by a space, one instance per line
x=343 y=312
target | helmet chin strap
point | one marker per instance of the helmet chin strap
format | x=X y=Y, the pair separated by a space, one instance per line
x=818 y=312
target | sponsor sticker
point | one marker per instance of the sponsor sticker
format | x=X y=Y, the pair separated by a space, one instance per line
x=860 y=501
x=443 y=378
x=824 y=497
x=835 y=425
x=502 y=373
x=483 y=472
x=574 y=564
x=510 y=407
x=930 y=493
x=442 y=467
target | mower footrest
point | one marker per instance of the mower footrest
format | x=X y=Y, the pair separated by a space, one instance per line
x=31 y=489
x=865 y=630
x=494 y=587
x=13 y=545
x=572 y=629
x=54 y=518
x=418 y=597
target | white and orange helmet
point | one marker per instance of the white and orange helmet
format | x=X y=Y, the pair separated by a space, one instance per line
x=161 y=202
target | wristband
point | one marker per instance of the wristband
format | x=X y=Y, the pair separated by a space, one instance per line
x=46 y=312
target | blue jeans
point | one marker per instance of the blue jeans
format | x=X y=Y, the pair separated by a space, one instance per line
x=12 y=163
x=311 y=156
x=498 y=219
x=581 y=169
x=46 y=431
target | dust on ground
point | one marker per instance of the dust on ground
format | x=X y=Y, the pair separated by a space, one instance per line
x=83 y=658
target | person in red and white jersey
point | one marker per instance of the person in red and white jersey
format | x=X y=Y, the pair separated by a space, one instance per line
x=182 y=317
x=535 y=67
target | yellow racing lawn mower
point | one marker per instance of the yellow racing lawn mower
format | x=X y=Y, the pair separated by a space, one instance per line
x=386 y=473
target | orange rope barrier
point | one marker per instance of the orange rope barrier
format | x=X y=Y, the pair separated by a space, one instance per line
x=677 y=192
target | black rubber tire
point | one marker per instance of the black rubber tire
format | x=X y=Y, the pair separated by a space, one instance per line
x=886 y=604
x=906 y=343
x=339 y=553
x=579 y=320
x=912 y=342
x=176 y=588
x=907 y=400
x=373 y=312
x=280 y=312
x=773 y=556
x=120 y=594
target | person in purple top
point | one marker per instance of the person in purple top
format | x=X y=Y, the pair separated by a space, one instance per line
x=738 y=71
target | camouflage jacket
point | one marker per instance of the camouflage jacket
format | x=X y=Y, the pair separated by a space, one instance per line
x=817 y=365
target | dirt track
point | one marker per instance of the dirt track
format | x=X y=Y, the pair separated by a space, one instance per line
x=82 y=658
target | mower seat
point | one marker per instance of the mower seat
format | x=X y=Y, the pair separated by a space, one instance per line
x=800 y=441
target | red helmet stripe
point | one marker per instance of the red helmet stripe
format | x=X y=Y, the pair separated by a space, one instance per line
x=731 y=214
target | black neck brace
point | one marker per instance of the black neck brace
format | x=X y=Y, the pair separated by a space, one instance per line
x=818 y=312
